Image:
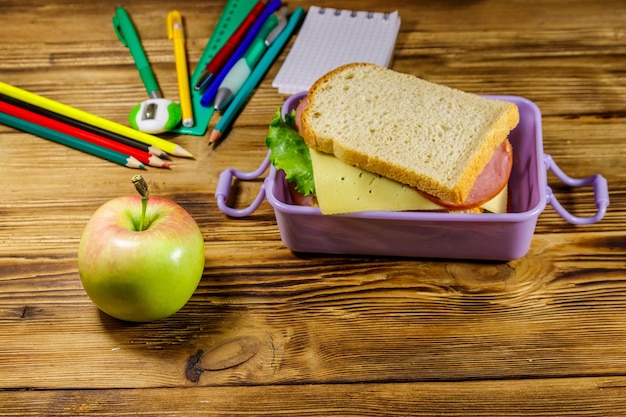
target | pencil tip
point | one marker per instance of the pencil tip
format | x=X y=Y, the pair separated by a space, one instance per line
x=180 y=151
x=157 y=152
x=133 y=162
x=215 y=136
x=155 y=161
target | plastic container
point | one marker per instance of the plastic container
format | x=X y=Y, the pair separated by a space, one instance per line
x=485 y=236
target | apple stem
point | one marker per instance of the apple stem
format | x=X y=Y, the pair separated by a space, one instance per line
x=142 y=188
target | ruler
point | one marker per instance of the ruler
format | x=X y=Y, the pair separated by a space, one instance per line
x=232 y=16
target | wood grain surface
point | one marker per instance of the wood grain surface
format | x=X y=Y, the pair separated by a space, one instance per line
x=271 y=332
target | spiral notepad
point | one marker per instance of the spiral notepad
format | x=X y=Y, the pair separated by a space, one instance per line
x=330 y=38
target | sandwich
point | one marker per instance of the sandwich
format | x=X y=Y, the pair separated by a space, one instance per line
x=369 y=138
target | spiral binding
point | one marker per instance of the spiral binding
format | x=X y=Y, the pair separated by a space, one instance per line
x=353 y=13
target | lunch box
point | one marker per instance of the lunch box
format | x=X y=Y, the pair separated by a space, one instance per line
x=486 y=236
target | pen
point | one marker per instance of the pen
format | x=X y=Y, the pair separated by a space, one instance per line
x=229 y=47
x=176 y=32
x=242 y=69
x=83 y=116
x=125 y=31
x=70 y=141
x=209 y=94
x=259 y=71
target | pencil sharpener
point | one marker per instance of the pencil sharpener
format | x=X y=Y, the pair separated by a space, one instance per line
x=156 y=115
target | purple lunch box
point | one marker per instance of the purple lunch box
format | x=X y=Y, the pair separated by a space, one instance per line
x=485 y=236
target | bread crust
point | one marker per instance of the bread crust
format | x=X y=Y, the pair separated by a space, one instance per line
x=394 y=104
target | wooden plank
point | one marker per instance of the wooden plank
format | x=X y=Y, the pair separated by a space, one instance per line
x=570 y=397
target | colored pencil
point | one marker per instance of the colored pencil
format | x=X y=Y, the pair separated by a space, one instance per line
x=151 y=149
x=234 y=108
x=52 y=124
x=70 y=141
x=32 y=98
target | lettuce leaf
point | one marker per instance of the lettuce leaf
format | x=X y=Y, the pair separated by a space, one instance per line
x=289 y=152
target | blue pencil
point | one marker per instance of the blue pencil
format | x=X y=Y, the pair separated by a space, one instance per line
x=209 y=94
x=259 y=71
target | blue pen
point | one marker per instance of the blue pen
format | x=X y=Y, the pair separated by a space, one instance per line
x=243 y=68
x=259 y=71
x=209 y=94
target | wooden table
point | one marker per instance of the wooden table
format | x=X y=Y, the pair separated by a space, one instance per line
x=270 y=332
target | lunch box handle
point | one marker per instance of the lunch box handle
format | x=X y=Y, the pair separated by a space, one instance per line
x=224 y=185
x=600 y=189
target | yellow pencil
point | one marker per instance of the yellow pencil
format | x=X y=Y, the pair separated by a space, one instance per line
x=176 y=32
x=65 y=110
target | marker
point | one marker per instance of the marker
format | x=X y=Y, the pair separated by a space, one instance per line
x=263 y=66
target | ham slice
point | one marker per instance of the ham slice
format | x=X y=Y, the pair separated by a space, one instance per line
x=298 y=116
x=489 y=183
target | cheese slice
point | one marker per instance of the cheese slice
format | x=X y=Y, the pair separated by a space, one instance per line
x=499 y=203
x=343 y=188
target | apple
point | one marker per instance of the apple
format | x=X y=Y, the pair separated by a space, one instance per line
x=140 y=259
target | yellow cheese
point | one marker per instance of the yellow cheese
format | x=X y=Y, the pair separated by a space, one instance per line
x=342 y=188
x=498 y=203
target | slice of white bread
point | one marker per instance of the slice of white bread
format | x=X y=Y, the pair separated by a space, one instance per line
x=422 y=134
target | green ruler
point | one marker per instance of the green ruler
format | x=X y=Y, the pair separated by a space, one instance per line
x=233 y=15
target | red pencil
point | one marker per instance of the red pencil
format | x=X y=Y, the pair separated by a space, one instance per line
x=229 y=47
x=142 y=156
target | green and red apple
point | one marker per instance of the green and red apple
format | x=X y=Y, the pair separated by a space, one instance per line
x=140 y=259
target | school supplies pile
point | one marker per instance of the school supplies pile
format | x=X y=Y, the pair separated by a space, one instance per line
x=247 y=40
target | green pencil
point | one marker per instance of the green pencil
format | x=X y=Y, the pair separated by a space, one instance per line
x=70 y=141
